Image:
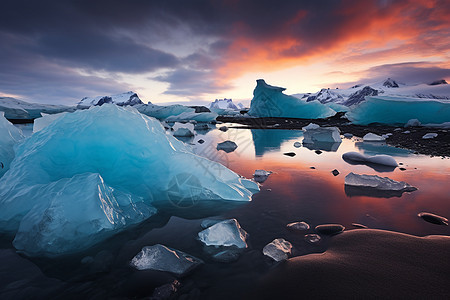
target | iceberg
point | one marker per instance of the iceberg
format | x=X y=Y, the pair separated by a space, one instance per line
x=183 y=132
x=397 y=110
x=226 y=233
x=9 y=137
x=321 y=134
x=163 y=112
x=382 y=159
x=123 y=99
x=372 y=137
x=204 y=117
x=124 y=156
x=377 y=182
x=278 y=249
x=269 y=101
x=162 y=258
x=21 y=110
x=223 y=104
x=45 y=120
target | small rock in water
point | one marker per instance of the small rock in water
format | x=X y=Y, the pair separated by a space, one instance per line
x=432 y=218
x=406 y=132
x=291 y=154
x=261 y=175
x=269 y=190
x=226 y=256
x=313 y=168
x=183 y=132
x=348 y=135
x=278 y=249
x=298 y=226
x=429 y=136
x=166 y=291
x=372 y=137
x=335 y=172
x=329 y=229
x=318 y=152
x=201 y=126
x=227 y=146
x=357 y=225
x=312 y=238
x=200 y=141
x=223 y=128
x=402 y=169
x=297 y=144
x=161 y=258
x=226 y=233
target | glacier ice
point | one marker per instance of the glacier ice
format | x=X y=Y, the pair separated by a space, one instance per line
x=377 y=182
x=429 y=135
x=161 y=258
x=372 y=137
x=130 y=152
x=128 y=98
x=269 y=101
x=223 y=104
x=163 y=112
x=193 y=116
x=227 y=146
x=321 y=134
x=278 y=249
x=380 y=159
x=398 y=110
x=18 y=109
x=9 y=136
x=45 y=120
x=226 y=233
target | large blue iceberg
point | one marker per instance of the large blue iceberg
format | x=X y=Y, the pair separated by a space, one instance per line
x=269 y=101
x=91 y=173
x=398 y=111
x=9 y=136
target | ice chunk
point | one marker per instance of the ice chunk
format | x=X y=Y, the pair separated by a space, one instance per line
x=269 y=101
x=227 y=146
x=321 y=134
x=429 y=136
x=226 y=233
x=9 y=136
x=278 y=249
x=432 y=218
x=376 y=182
x=396 y=110
x=163 y=112
x=372 y=137
x=123 y=99
x=183 y=132
x=130 y=153
x=298 y=226
x=310 y=126
x=162 y=258
x=348 y=135
x=223 y=104
x=413 y=123
x=45 y=120
x=312 y=238
x=74 y=214
x=189 y=116
x=261 y=175
x=382 y=159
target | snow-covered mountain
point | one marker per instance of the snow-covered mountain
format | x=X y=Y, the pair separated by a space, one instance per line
x=438 y=89
x=225 y=104
x=18 y=109
x=128 y=98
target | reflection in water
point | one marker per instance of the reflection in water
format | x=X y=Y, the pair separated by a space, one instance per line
x=352 y=191
x=373 y=148
x=325 y=146
x=271 y=139
x=376 y=167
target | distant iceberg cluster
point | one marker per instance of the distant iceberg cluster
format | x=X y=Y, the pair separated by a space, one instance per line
x=89 y=174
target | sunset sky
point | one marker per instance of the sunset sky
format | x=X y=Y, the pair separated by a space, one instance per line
x=196 y=51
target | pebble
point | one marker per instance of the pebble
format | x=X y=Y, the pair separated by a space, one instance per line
x=335 y=172
x=312 y=238
x=298 y=226
x=291 y=154
x=432 y=218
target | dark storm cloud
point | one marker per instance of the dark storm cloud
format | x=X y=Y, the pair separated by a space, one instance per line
x=240 y=36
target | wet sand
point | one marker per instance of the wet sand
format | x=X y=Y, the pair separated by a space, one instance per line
x=365 y=264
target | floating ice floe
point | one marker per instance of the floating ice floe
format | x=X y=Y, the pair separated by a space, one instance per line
x=399 y=110
x=227 y=146
x=226 y=233
x=9 y=136
x=376 y=182
x=92 y=173
x=372 y=137
x=278 y=249
x=261 y=175
x=162 y=258
x=429 y=136
x=321 y=134
x=356 y=157
x=183 y=132
x=269 y=101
